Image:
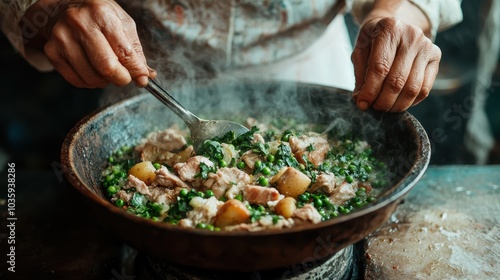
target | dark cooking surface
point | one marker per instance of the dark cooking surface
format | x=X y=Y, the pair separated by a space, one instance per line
x=451 y=209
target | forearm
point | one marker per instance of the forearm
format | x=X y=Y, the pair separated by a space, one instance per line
x=441 y=14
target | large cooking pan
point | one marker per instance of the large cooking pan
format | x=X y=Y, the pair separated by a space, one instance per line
x=399 y=138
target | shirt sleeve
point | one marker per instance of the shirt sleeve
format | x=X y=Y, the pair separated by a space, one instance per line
x=442 y=14
x=11 y=12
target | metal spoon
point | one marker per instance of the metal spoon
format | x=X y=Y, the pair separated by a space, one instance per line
x=200 y=129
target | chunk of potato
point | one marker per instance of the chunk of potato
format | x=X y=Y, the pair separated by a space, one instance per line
x=285 y=207
x=278 y=175
x=292 y=182
x=232 y=212
x=144 y=171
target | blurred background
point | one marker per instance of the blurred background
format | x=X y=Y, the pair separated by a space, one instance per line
x=37 y=110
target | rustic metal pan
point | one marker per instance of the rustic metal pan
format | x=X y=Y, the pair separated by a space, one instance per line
x=399 y=138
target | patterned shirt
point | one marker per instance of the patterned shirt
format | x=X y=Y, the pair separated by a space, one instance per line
x=231 y=33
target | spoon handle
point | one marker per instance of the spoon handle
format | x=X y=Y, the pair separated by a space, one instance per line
x=189 y=118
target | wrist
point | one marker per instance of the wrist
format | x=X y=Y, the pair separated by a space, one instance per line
x=403 y=10
x=38 y=20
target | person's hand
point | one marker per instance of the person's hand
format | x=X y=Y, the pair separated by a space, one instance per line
x=92 y=43
x=395 y=64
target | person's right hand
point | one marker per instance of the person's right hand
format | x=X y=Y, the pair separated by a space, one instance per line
x=92 y=43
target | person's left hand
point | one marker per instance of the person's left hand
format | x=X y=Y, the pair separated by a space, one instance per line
x=395 y=65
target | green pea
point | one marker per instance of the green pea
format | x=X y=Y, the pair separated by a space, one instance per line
x=156 y=165
x=263 y=181
x=183 y=192
x=266 y=170
x=270 y=158
x=111 y=159
x=155 y=219
x=201 y=225
x=303 y=197
x=370 y=199
x=209 y=193
x=200 y=194
x=210 y=227
x=368 y=168
x=349 y=179
x=258 y=164
x=358 y=204
x=326 y=201
x=241 y=165
x=222 y=163
x=119 y=202
x=352 y=167
x=285 y=137
x=318 y=203
x=112 y=190
x=343 y=210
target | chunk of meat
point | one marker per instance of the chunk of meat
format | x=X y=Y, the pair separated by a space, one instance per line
x=167 y=179
x=249 y=157
x=169 y=139
x=186 y=223
x=140 y=186
x=204 y=210
x=306 y=214
x=301 y=145
x=155 y=154
x=163 y=195
x=188 y=170
x=233 y=191
x=226 y=178
x=257 y=138
x=325 y=183
x=342 y=193
x=260 y=195
x=123 y=195
x=267 y=222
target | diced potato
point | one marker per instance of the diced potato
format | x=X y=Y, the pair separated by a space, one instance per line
x=232 y=212
x=292 y=182
x=144 y=171
x=278 y=175
x=285 y=207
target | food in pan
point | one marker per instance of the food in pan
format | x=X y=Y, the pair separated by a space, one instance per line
x=274 y=176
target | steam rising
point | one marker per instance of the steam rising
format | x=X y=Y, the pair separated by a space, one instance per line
x=196 y=84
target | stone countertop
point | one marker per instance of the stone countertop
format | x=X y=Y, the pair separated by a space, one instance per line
x=447 y=228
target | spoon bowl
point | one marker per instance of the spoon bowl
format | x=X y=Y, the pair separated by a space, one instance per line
x=201 y=129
